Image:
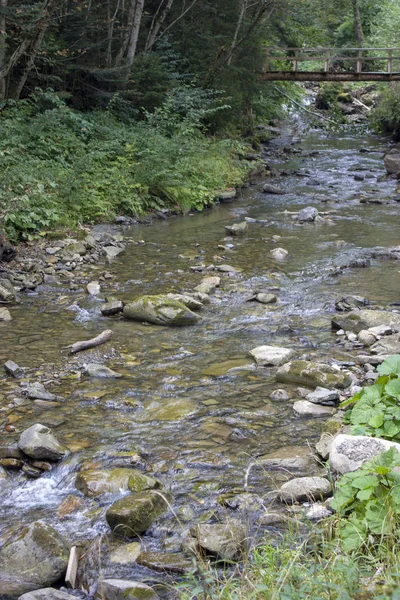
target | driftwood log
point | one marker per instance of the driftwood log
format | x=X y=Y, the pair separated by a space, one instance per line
x=100 y=339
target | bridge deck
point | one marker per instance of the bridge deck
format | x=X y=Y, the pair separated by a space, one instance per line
x=333 y=64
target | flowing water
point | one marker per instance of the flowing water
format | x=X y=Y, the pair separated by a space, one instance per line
x=190 y=400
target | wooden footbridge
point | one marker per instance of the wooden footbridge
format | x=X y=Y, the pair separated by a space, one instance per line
x=332 y=64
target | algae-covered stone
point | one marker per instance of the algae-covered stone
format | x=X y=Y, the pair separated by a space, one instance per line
x=190 y=302
x=126 y=554
x=121 y=589
x=38 y=556
x=359 y=320
x=163 y=561
x=38 y=442
x=227 y=541
x=46 y=594
x=160 y=310
x=135 y=513
x=100 y=371
x=236 y=229
x=305 y=488
x=312 y=375
x=95 y=482
x=271 y=355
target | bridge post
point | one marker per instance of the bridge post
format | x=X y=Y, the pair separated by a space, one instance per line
x=359 y=62
x=328 y=61
x=296 y=60
x=389 y=62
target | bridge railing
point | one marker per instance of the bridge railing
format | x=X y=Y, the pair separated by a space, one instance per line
x=349 y=60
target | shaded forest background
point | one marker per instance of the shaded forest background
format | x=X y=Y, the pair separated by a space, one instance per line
x=133 y=105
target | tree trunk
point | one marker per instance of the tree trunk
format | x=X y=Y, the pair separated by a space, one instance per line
x=125 y=38
x=3 y=38
x=134 y=34
x=358 y=24
x=156 y=26
x=110 y=32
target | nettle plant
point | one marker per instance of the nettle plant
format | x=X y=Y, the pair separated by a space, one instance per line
x=377 y=409
x=368 y=504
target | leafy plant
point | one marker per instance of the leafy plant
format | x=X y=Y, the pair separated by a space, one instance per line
x=377 y=408
x=370 y=499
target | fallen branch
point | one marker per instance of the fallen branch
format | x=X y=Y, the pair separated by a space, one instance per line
x=100 y=339
x=314 y=114
x=359 y=103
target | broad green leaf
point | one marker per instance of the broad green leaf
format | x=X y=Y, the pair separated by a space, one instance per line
x=376 y=420
x=390 y=365
x=376 y=515
x=353 y=534
x=393 y=388
x=391 y=429
x=365 y=481
x=365 y=494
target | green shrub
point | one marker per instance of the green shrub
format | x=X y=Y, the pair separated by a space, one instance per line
x=377 y=408
x=385 y=118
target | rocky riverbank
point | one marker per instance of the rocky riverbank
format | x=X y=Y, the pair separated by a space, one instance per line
x=140 y=507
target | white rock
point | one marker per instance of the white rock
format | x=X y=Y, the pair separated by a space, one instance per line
x=350 y=452
x=305 y=488
x=93 y=288
x=303 y=408
x=279 y=253
x=271 y=355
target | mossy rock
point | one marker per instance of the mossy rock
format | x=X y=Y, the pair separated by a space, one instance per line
x=96 y=482
x=312 y=375
x=135 y=513
x=160 y=310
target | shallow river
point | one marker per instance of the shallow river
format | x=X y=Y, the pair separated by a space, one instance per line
x=196 y=422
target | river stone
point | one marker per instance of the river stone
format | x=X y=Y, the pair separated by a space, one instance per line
x=358 y=320
x=100 y=371
x=312 y=375
x=305 y=488
x=317 y=512
x=349 y=452
x=279 y=253
x=135 y=513
x=7 y=291
x=293 y=459
x=38 y=442
x=74 y=248
x=324 y=445
x=96 y=482
x=37 y=391
x=208 y=285
x=126 y=554
x=307 y=215
x=304 y=408
x=190 y=302
x=271 y=355
x=13 y=369
x=227 y=196
x=236 y=229
x=121 y=589
x=279 y=395
x=388 y=345
x=265 y=298
x=392 y=161
x=160 y=310
x=93 y=288
x=46 y=594
x=272 y=189
x=112 y=252
x=227 y=541
x=350 y=302
x=37 y=556
x=112 y=307
x=163 y=561
x=5 y=315
x=323 y=396
x=366 y=338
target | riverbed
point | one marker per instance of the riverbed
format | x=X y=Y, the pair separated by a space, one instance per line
x=191 y=408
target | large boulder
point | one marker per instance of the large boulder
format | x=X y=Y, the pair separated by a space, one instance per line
x=7 y=291
x=37 y=557
x=392 y=161
x=46 y=594
x=305 y=488
x=350 y=452
x=190 y=302
x=388 y=345
x=312 y=375
x=227 y=541
x=121 y=589
x=135 y=513
x=358 y=320
x=160 y=310
x=96 y=482
x=271 y=355
x=38 y=442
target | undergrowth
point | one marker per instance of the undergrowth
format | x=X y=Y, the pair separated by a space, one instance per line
x=62 y=167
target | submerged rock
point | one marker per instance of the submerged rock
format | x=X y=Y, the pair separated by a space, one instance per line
x=208 y=285
x=121 y=589
x=37 y=391
x=160 y=310
x=163 y=561
x=350 y=452
x=126 y=554
x=305 y=488
x=307 y=215
x=236 y=229
x=7 y=291
x=38 y=442
x=271 y=355
x=272 y=189
x=46 y=594
x=304 y=408
x=95 y=482
x=93 y=288
x=135 y=513
x=264 y=298
x=279 y=253
x=36 y=557
x=100 y=371
x=187 y=300
x=227 y=541
x=5 y=315
x=312 y=374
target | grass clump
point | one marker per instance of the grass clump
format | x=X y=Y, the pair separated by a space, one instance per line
x=62 y=167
